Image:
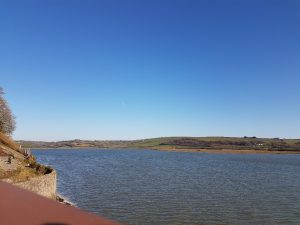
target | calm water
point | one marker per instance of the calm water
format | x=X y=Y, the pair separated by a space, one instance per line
x=143 y=187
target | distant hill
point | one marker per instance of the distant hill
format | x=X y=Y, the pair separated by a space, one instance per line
x=180 y=143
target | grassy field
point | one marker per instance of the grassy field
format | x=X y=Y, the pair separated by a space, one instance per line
x=182 y=143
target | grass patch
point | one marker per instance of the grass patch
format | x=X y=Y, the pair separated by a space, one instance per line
x=7 y=141
x=20 y=174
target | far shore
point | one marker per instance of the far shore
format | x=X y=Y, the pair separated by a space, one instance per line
x=230 y=151
x=212 y=151
x=227 y=145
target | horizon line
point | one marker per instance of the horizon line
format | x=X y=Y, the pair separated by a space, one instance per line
x=141 y=139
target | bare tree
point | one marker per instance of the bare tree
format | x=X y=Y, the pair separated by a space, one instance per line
x=7 y=119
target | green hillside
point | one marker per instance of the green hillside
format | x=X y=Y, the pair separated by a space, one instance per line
x=180 y=143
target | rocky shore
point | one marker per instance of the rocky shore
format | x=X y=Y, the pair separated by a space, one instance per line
x=63 y=200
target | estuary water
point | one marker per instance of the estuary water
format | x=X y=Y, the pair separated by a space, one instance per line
x=147 y=187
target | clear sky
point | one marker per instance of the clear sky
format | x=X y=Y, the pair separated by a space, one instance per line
x=137 y=69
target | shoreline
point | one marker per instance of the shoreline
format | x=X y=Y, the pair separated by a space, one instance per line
x=229 y=151
x=63 y=200
x=212 y=151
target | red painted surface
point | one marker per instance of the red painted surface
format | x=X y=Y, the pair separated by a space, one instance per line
x=21 y=207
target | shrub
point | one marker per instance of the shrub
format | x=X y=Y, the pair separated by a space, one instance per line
x=7 y=141
x=7 y=119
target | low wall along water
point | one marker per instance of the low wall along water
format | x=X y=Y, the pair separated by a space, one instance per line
x=44 y=185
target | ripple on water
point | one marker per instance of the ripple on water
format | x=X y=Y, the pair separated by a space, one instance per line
x=143 y=187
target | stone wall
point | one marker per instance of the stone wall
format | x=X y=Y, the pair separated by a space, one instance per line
x=44 y=185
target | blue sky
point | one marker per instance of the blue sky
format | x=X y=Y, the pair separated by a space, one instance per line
x=137 y=69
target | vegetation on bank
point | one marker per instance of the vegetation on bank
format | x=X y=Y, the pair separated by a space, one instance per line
x=15 y=164
x=16 y=168
x=179 y=143
x=39 y=168
x=7 y=141
x=19 y=175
